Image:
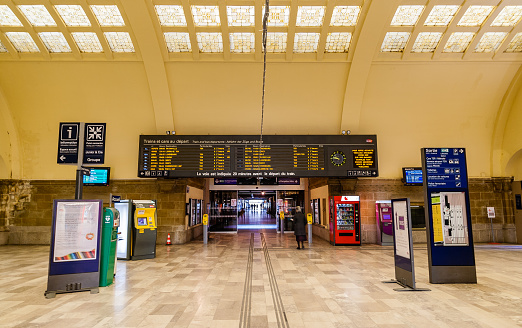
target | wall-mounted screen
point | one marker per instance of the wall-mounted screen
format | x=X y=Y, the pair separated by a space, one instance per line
x=99 y=176
x=412 y=176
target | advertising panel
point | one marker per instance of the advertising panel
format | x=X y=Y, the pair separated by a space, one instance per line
x=402 y=235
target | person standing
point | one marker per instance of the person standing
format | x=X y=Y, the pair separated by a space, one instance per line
x=299 y=227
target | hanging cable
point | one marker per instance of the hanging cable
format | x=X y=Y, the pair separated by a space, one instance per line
x=265 y=24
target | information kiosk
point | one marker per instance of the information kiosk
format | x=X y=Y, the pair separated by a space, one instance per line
x=383 y=214
x=144 y=230
x=110 y=223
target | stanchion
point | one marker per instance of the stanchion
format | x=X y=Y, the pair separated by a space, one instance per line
x=309 y=219
x=282 y=219
x=205 y=229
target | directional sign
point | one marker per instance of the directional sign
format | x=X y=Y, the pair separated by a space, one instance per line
x=94 y=146
x=68 y=143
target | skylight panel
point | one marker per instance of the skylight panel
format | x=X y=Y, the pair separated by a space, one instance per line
x=310 y=16
x=37 y=15
x=306 y=42
x=242 y=42
x=278 y=15
x=22 y=41
x=490 y=41
x=210 y=42
x=108 y=15
x=178 y=41
x=87 y=41
x=54 y=41
x=7 y=17
x=395 y=41
x=171 y=15
x=338 y=42
x=475 y=15
x=509 y=16
x=426 y=42
x=2 y=47
x=441 y=15
x=516 y=44
x=345 y=16
x=241 y=15
x=458 y=42
x=276 y=42
x=73 y=15
x=407 y=15
x=206 y=15
x=119 y=41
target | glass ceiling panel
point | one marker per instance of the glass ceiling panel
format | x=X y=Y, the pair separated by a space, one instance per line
x=395 y=41
x=210 y=42
x=37 y=15
x=22 y=41
x=2 y=47
x=345 y=16
x=516 y=44
x=171 y=15
x=241 y=15
x=490 y=41
x=426 y=42
x=407 y=15
x=441 y=15
x=306 y=42
x=87 y=41
x=108 y=15
x=242 y=42
x=509 y=16
x=73 y=15
x=276 y=42
x=54 y=41
x=475 y=15
x=458 y=42
x=338 y=42
x=206 y=15
x=278 y=16
x=310 y=16
x=119 y=41
x=178 y=41
x=7 y=17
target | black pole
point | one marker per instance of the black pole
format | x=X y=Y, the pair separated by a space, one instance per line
x=79 y=185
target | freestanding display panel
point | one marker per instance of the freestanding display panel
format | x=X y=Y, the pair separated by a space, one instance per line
x=123 y=249
x=383 y=215
x=144 y=230
x=74 y=259
x=345 y=226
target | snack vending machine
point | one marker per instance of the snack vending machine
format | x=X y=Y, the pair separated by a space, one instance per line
x=345 y=222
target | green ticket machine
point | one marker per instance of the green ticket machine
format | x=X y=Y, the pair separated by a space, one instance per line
x=109 y=239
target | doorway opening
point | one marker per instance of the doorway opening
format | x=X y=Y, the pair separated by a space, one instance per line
x=256 y=210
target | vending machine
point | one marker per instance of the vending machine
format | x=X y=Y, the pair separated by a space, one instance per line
x=144 y=230
x=345 y=222
x=383 y=215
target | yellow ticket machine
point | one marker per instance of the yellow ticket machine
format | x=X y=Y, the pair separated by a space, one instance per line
x=144 y=230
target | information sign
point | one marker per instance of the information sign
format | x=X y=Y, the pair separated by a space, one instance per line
x=446 y=168
x=94 y=144
x=243 y=157
x=68 y=141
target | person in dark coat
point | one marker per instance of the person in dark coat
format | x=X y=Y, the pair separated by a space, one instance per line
x=299 y=227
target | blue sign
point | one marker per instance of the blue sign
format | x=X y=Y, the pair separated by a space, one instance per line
x=94 y=143
x=68 y=141
x=446 y=168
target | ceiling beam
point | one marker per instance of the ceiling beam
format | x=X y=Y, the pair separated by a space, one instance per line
x=153 y=62
x=377 y=16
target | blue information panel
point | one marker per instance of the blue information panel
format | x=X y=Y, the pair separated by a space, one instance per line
x=448 y=214
x=68 y=140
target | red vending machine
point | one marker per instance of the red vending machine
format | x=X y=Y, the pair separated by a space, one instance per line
x=345 y=222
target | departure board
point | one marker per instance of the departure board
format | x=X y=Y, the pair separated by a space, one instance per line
x=173 y=156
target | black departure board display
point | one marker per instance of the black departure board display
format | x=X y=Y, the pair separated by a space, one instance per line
x=173 y=156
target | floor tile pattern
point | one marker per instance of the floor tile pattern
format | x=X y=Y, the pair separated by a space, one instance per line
x=194 y=285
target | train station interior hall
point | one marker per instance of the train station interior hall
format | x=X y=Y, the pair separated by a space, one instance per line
x=159 y=160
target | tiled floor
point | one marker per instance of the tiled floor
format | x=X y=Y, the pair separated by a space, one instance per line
x=194 y=285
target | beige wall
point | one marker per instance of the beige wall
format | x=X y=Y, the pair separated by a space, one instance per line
x=512 y=146
x=322 y=193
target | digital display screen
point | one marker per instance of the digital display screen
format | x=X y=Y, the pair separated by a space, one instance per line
x=142 y=221
x=412 y=176
x=173 y=156
x=99 y=176
x=386 y=217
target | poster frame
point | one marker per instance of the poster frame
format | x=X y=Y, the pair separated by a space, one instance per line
x=404 y=267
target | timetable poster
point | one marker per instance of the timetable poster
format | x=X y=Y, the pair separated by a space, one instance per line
x=402 y=235
x=450 y=226
x=76 y=231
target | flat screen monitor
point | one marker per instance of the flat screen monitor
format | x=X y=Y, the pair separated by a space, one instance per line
x=99 y=176
x=412 y=176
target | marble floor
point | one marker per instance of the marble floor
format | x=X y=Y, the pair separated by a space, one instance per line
x=262 y=280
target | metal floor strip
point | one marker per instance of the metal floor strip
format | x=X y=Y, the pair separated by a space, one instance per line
x=246 y=306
